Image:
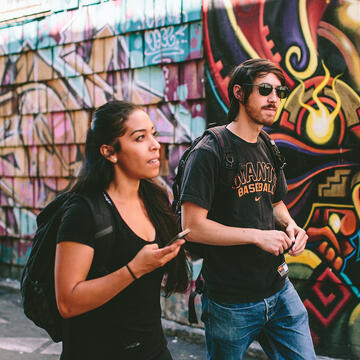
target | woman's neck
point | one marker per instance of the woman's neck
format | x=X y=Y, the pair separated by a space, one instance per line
x=124 y=189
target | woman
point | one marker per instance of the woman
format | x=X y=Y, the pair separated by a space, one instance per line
x=118 y=315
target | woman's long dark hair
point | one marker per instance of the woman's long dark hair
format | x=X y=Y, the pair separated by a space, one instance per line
x=165 y=221
x=97 y=173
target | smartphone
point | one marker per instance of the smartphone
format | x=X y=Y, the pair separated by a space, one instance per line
x=180 y=235
x=289 y=248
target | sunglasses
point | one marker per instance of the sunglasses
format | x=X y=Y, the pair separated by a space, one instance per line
x=266 y=89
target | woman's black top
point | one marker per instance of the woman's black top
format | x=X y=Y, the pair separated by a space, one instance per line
x=129 y=325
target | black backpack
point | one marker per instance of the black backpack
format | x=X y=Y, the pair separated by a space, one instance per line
x=228 y=170
x=37 y=280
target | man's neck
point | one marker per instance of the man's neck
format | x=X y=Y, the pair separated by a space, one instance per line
x=245 y=130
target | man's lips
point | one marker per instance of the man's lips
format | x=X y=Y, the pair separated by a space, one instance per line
x=270 y=108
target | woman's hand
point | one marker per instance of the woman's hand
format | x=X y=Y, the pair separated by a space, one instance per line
x=150 y=257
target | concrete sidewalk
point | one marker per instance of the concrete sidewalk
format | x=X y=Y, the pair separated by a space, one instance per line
x=21 y=339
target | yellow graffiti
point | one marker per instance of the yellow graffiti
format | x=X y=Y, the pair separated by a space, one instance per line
x=354 y=330
x=335 y=222
x=354 y=315
x=282 y=104
x=240 y=35
x=345 y=46
x=349 y=13
x=320 y=123
x=335 y=185
x=296 y=50
x=356 y=199
x=307 y=257
x=324 y=205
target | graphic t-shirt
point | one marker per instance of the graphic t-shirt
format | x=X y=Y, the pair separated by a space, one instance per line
x=240 y=273
x=129 y=325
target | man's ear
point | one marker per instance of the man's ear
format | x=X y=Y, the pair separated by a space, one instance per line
x=238 y=93
x=107 y=151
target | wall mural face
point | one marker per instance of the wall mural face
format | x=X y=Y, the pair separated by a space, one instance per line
x=317 y=44
x=56 y=69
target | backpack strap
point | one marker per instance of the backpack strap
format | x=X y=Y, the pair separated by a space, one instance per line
x=278 y=158
x=199 y=289
x=105 y=226
x=222 y=135
x=176 y=186
x=101 y=214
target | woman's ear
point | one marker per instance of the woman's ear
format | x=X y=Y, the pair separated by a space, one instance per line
x=238 y=93
x=107 y=151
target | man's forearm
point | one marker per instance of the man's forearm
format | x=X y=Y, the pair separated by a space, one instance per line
x=206 y=231
x=209 y=232
x=282 y=215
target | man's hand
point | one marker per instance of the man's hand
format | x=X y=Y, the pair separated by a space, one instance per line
x=273 y=241
x=298 y=236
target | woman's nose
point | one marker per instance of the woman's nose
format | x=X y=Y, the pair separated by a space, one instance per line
x=155 y=145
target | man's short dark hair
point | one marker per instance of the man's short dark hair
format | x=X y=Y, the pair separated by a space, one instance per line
x=246 y=73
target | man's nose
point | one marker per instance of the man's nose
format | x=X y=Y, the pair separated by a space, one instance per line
x=273 y=96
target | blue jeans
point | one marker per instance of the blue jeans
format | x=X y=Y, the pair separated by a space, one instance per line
x=279 y=323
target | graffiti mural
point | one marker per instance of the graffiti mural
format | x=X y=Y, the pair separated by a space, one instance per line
x=317 y=129
x=62 y=63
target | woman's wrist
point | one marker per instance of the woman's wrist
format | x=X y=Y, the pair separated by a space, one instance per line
x=134 y=270
x=131 y=272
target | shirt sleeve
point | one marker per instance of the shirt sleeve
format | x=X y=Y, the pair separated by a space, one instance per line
x=77 y=224
x=281 y=187
x=199 y=179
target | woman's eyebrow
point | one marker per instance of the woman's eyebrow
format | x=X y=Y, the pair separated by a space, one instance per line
x=140 y=130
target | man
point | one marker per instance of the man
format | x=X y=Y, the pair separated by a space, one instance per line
x=247 y=292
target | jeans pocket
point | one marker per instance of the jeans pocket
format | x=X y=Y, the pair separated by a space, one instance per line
x=236 y=307
x=234 y=322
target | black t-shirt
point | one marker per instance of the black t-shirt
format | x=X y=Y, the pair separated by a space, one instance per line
x=240 y=273
x=129 y=325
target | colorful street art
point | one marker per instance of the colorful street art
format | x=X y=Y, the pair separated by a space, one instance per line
x=57 y=68
x=316 y=43
x=66 y=58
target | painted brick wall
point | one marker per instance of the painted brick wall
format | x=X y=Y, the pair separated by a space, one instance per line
x=57 y=68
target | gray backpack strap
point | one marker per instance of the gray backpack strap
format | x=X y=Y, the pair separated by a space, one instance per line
x=105 y=226
x=101 y=214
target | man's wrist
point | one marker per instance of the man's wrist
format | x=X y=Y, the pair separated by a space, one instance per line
x=256 y=236
x=291 y=222
x=285 y=223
